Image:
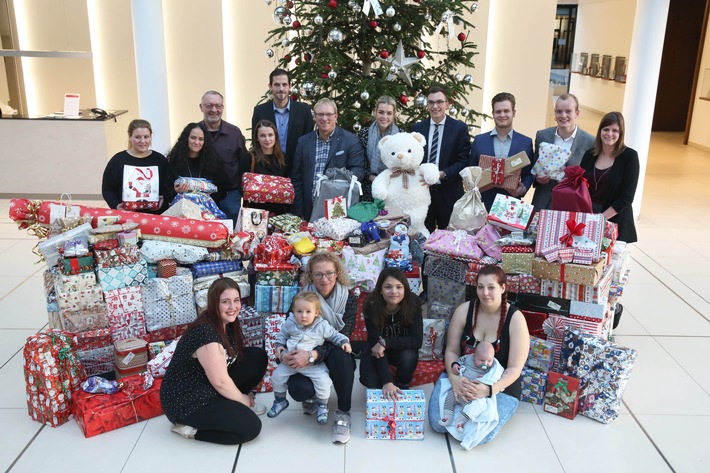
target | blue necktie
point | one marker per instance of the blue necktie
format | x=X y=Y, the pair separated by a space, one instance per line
x=434 y=146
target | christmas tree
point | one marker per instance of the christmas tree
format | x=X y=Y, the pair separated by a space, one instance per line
x=356 y=51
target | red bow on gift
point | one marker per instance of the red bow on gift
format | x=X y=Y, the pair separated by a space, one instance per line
x=575 y=174
x=391 y=427
x=575 y=229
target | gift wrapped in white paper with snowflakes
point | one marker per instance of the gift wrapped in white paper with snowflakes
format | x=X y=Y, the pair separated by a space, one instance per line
x=168 y=301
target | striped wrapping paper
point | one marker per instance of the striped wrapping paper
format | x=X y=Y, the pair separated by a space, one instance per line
x=209 y=268
x=598 y=293
x=274 y=298
x=555 y=325
x=552 y=227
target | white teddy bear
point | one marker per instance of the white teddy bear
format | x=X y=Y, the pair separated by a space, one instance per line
x=399 y=185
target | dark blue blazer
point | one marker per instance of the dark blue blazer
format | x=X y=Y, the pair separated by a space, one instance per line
x=300 y=122
x=453 y=156
x=345 y=152
x=483 y=145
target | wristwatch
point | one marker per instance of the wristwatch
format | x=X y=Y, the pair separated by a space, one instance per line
x=311 y=359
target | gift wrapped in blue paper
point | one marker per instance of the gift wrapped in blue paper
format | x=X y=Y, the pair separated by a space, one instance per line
x=210 y=268
x=533 y=385
x=603 y=369
x=274 y=298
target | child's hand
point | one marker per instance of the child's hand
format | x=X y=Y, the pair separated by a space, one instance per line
x=279 y=351
x=347 y=348
x=456 y=368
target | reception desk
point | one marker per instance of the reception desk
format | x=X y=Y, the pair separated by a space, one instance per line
x=44 y=157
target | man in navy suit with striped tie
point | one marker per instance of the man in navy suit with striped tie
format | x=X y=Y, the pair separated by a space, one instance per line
x=448 y=146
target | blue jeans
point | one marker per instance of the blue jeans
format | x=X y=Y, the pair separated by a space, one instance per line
x=231 y=204
x=507 y=406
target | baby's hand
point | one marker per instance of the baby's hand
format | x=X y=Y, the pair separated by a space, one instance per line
x=347 y=347
x=456 y=369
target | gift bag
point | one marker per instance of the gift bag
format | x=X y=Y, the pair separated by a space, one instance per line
x=141 y=187
x=363 y=270
x=255 y=222
x=60 y=211
x=572 y=194
x=433 y=343
x=336 y=182
x=469 y=212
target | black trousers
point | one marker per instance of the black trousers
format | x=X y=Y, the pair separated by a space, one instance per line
x=230 y=422
x=442 y=204
x=341 y=369
x=375 y=372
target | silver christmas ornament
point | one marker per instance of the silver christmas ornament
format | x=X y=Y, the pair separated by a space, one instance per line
x=420 y=101
x=471 y=129
x=464 y=112
x=474 y=7
x=414 y=76
x=390 y=12
x=393 y=70
x=269 y=53
x=351 y=3
x=332 y=75
x=468 y=78
x=294 y=90
x=365 y=95
x=453 y=111
x=357 y=127
x=397 y=27
x=458 y=76
x=279 y=14
x=318 y=20
x=357 y=9
x=427 y=16
x=287 y=20
x=335 y=36
x=356 y=105
x=285 y=43
x=402 y=64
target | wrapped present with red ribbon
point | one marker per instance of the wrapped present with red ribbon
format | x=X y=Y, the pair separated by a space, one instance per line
x=52 y=373
x=588 y=275
x=35 y=216
x=502 y=172
x=99 y=413
x=120 y=256
x=565 y=255
x=273 y=250
x=561 y=395
x=570 y=229
x=77 y=264
x=106 y=245
x=597 y=293
x=402 y=419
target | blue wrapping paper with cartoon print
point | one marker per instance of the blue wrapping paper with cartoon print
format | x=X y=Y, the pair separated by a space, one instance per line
x=274 y=298
x=603 y=369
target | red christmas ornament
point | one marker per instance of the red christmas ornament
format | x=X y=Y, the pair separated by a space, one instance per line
x=333 y=4
x=307 y=56
x=384 y=54
x=403 y=99
x=327 y=67
x=373 y=24
x=298 y=60
x=324 y=76
x=462 y=37
x=294 y=97
x=287 y=58
x=289 y=4
x=421 y=54
x=296 y=24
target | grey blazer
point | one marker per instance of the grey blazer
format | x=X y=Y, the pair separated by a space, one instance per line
x=345 y=152
x=582 y=142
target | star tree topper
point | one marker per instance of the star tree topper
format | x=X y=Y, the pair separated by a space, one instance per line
x=402 y=63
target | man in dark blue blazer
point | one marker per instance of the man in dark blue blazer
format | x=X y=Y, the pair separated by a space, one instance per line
x=502 y=142
x=292 y=119
x=329 y=146
x=453 y=144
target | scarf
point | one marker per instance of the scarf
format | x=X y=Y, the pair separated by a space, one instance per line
x=373 y=152
x=332 y=308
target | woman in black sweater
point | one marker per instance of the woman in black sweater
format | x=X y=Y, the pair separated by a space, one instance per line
x=393 y=317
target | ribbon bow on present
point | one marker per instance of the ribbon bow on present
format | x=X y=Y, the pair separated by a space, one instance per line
x=405 y=173
x=562 y=383
x=458 y=237
x=498 y=171
x=575 y=174
x=575 y=229
x=554 y=327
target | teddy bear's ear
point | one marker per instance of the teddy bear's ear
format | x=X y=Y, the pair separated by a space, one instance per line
x=419 y=137
x=383 y=141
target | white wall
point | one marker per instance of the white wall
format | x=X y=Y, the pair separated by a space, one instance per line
x=603 y=27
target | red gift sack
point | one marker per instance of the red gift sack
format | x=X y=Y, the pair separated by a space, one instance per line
x=572 y=193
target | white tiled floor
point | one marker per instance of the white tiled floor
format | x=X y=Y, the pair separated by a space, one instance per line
x=664 y=426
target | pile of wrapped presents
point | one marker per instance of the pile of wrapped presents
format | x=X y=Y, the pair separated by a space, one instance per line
x=122 y=286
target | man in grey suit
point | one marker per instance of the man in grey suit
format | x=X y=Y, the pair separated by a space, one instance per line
x=292 y=119
x=329 y=146
x=567 y=135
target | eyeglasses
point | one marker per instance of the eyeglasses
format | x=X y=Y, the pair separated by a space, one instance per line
x=438 y=103
x=210 y=106
x=324 y=115
x=328 y=275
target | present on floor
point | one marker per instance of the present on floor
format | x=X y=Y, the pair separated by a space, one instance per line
x=532 y=384
x=456 y=244
x=603 y=369
x=274 y=298
x=129 y=254
x=52 y=373
x=168 y=301
x=597 y=293
x=402 y=419
x=118 y=277
x=561 y=395
x=541 y=354
x=426 y=372
x=360 y=331
x=125 y=313
x=99 y=413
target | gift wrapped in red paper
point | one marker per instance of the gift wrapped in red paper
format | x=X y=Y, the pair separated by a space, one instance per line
x=274 y=250
x=359 y=333
x=99 y=413
x=34 y=215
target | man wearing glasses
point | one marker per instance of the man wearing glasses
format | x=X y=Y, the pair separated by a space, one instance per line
x=230 y=146
x=502 y=142
x=329 y=146
x=447 y=145
x=292 y=119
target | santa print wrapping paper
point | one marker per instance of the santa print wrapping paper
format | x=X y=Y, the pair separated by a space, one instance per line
x=510 y=213
x=272 y=326
x=76 y=282
x=80 y=300
x=262 y=188
x=153 y=227
x=561 y=395
x=120 y=256
x=603 y=369
x=167 y=333
x=52 y=373
x=83 y=320
x=168 y=302
x=597 y=293
x=122 y=276
x=125 y=309
x=532 y=383
x=99 y=413
x=141 y=187
x=402 y=419
x=558 y=227
x=93 y=339
x=457 y=244
x=274 y=298
x=586 y=275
